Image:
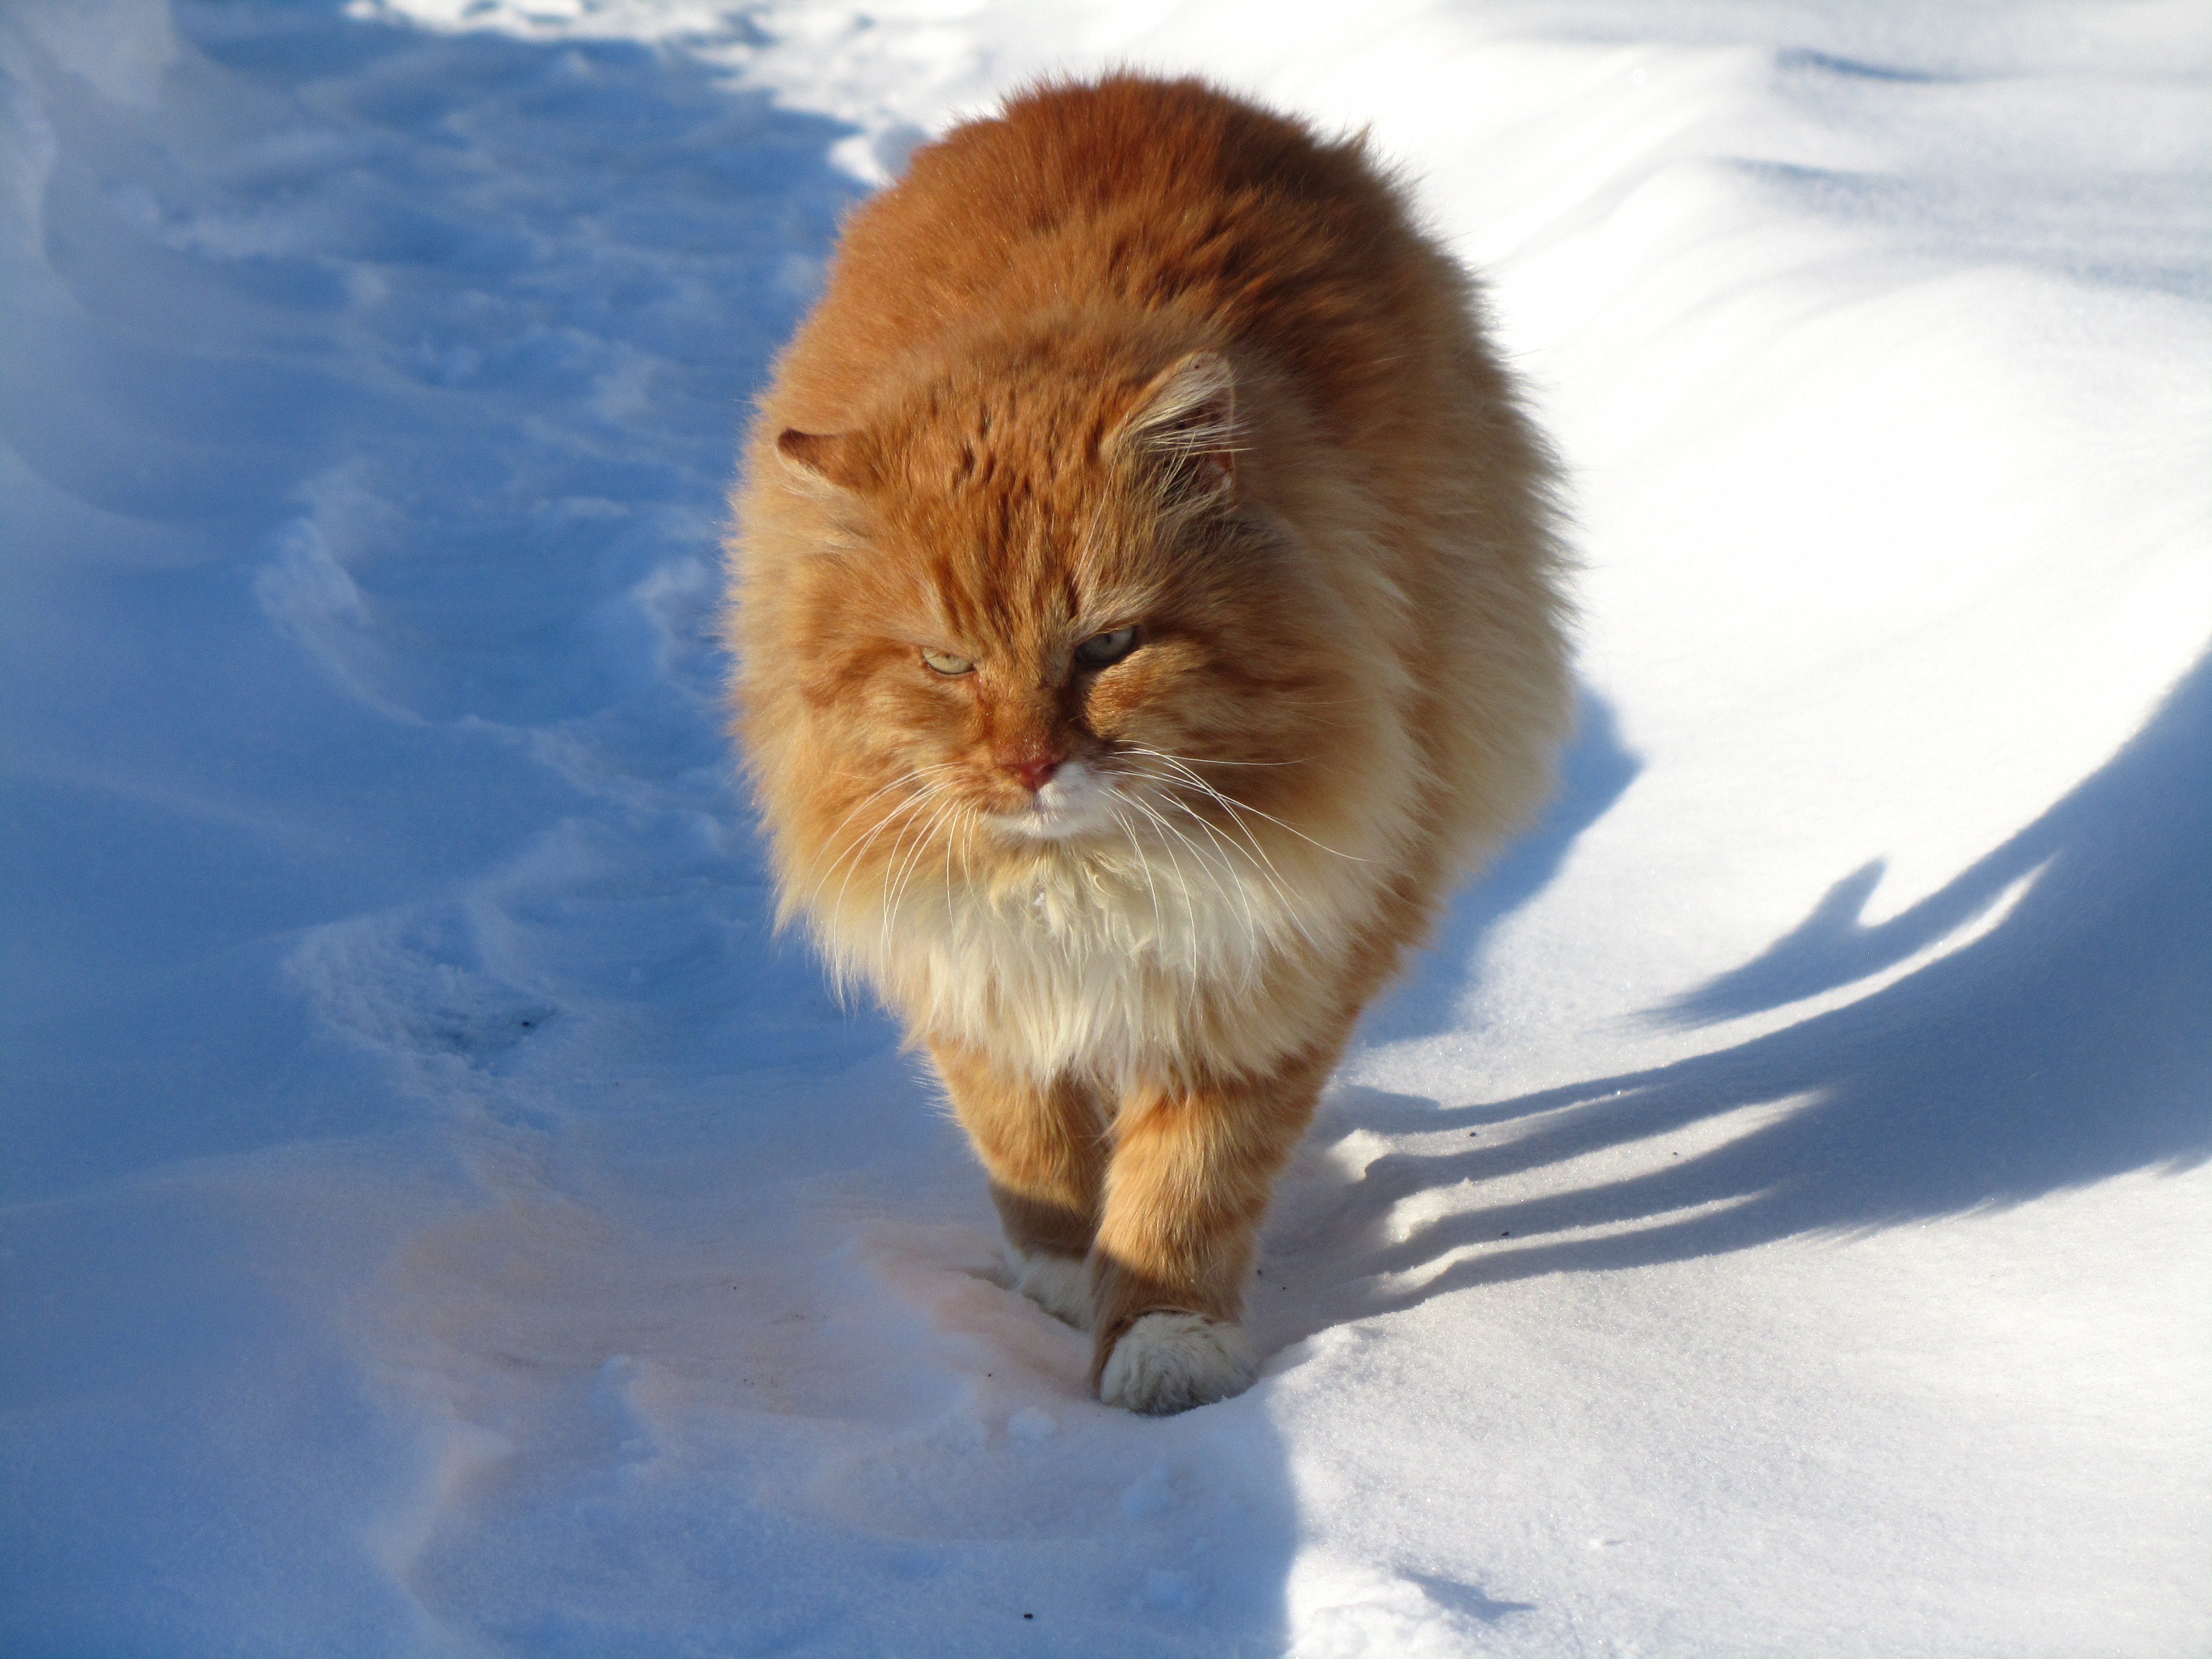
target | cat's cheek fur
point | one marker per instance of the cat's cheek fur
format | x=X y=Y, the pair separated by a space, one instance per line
x=1060 y=1285
x=1172 y=1362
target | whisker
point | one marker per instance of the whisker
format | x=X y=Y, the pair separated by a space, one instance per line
x=951 y=908
x=1190 y=910
x=908 y=868
x=1159 y=925
x=1197 y=760
x=910 y=777
x=891 y=862
x=1247 y=806
x=1224 y=848
x=859 y=847
x=1271 y=874
x=1233 y=883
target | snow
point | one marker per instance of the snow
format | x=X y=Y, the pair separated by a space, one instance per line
x=438 y=1217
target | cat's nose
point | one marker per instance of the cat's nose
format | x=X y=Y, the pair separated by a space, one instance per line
x=1034 y=770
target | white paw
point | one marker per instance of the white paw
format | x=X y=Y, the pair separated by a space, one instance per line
x=1170 y=1362
x=1060 y=1285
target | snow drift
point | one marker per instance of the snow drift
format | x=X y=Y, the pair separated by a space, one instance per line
x=440 y=1217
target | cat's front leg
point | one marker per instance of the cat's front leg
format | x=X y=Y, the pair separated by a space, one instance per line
x=1044 y=1148
x=1190 y=1182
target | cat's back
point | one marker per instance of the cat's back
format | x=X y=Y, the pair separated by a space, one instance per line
x=1154 y=196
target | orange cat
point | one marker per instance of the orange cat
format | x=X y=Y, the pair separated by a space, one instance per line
x=1145 y=597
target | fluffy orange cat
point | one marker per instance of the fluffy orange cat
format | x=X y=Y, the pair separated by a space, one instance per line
x=1146 y=603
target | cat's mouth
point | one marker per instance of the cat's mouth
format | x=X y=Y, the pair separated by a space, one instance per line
x=1076 y=800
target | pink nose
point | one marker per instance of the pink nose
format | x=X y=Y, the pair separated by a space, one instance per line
x=1034 y=773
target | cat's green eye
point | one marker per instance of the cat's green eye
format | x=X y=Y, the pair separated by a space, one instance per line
x=1102 y=649
x=945 y=663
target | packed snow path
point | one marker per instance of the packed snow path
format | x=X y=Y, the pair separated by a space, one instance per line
x=440 y=1219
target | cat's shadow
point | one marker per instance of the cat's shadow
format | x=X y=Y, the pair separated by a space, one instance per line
x=2068 y=1043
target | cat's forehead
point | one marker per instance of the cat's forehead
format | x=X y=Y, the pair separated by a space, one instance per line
x=1030 y=429
x=1002 y=496
x=1008 y=513
x=1002 y=560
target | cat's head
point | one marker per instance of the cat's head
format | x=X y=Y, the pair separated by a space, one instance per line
x=1049 y=608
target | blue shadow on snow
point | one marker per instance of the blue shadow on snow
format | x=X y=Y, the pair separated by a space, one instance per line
x=2070 y=1042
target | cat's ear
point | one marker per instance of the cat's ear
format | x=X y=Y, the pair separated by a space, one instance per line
x=840 y=460
x=1188 y=415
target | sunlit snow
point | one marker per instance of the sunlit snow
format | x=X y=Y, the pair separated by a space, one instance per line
x=440 y=1218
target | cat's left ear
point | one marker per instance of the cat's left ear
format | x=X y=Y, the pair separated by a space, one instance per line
x=841 y=460
x=1189 y=415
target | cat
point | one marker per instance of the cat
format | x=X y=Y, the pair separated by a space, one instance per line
x=1146 y=600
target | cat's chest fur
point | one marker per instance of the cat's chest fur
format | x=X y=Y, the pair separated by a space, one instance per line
x=1118 y=964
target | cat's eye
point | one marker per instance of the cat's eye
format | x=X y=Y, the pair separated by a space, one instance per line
x=945 y=663
x=1102 y=649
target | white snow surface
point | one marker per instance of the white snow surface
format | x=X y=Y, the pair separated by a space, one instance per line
x=439 y=1218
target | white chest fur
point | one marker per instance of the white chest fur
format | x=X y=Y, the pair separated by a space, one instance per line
x=1116 y=963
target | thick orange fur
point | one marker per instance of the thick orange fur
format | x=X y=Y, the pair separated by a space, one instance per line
x=1137 y=355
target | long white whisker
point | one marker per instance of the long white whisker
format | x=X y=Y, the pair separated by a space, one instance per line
x=1199 y=782
x=1207 y=862
x=910 y=777
x=952 y=909
x=1272 y=875
x=918 y=772
x=1229 y=879
x=1159 y=925
x=1207 y=760
x=1223 y=850
x=854 y=852
x=911 y=867
x=899 y=862
x=901 y=872
x=1190 y=911
x=892 y=863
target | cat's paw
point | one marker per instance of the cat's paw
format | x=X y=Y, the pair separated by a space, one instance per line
x=1060 y=1285
x=1171 y=1362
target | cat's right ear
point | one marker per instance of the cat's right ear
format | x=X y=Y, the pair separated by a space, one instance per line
x=1187 y=415
x=834 y=461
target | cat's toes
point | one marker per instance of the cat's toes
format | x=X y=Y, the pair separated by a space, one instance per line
x=1171 y=1362
x=1060 y=1285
